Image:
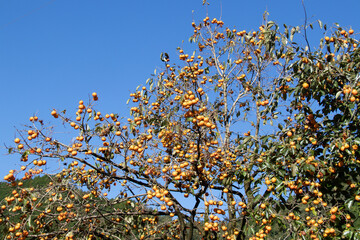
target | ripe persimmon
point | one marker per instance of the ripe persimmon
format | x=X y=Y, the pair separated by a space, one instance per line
x=54 y=114
x=305 y=85
x=95 y=96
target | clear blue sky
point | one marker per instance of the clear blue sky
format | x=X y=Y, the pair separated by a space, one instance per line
x=54 y=53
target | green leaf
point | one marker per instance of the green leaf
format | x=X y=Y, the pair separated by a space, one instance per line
x=348 y=234
x=349 y=203
x=286 y=31
x=270 y=24
x=164 y=57
x=338 y=94
x=325 y=149
x=320 y=24
x=294 y=170
x=357 y=141
x=206 y=70
x=247 y=139
x=279 y=186
x=292 y=32
x=314 y=212
x=257 y=198
x=309 y=167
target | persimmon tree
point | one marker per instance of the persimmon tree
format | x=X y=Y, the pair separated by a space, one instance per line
x=254 y=135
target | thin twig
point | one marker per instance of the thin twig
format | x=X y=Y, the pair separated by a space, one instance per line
x=306 y=39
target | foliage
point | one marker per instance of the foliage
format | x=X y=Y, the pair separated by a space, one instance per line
x=253 y=136
x=6 y=190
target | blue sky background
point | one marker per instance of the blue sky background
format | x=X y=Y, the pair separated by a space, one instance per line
x=54 y=53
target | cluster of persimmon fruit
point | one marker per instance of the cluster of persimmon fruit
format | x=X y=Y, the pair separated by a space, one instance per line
x=175 y=148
